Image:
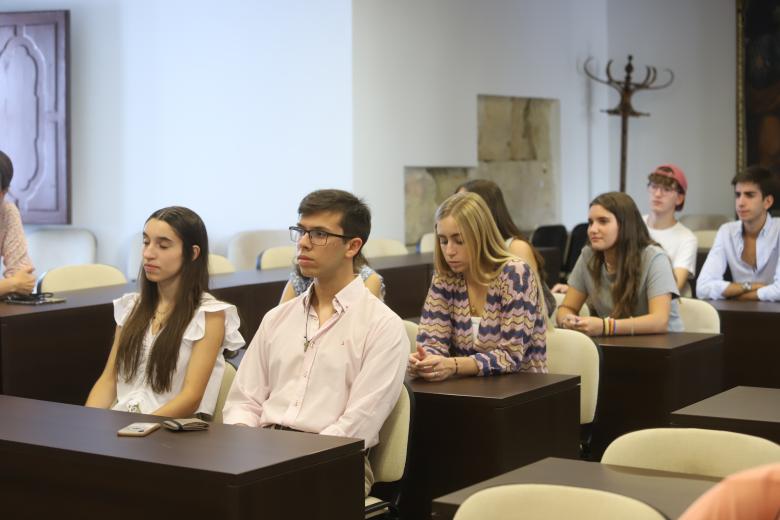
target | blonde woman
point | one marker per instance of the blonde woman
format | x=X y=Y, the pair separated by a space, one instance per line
x=484 y=313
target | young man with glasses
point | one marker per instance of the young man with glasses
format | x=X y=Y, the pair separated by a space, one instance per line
x=332 y=360
x=666 y=189
x=748 y=246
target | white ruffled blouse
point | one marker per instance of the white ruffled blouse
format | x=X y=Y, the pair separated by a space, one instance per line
x=137 y=396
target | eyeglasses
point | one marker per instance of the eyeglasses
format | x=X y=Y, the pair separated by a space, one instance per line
x=666 y=190
x=318 y=237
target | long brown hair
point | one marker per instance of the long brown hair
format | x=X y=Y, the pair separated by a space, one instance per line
x=631 y=242
x=494 y=199
x=486 y=249
x=193 y=282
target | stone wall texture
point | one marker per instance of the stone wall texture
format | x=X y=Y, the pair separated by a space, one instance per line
x=515 y=149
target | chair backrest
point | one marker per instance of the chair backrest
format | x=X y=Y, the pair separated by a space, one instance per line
x=219 y=264
x=388 y=458
x=51 y=247
x=427 y=243
x=552 y=502
x=584 y=310
x=411 y=332
x=577 y=240
x=712 y=453
x=275 y=257
x=699 y=316
x=84 y=276
x=574 y=353
x=550 y=236
x=705 y=237
x=376 y=247
x=244 y=247
x=134 y=253
x=224 y=389
x=696 y=222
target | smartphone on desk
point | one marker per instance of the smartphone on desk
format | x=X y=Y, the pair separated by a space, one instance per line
x=138 y=429
x=32 y=299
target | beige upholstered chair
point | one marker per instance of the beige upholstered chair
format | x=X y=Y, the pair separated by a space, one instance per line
x=411 y=331
x=135 y=251
x=219 y=264
x=697 y=222
x=275 y=257
x=389 y=457
x=224 y=388
x=84 y=276
x=584 y=310
x=376 y=247
x=51 y=247
x=574 y=353
x=244 y=247
x=712 y=453
x=552 y=502
x=705 y=237
x=699 y=316
x=427 y=243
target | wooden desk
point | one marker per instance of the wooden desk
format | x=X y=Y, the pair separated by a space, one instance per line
x=744 y=409
x=751 y=353
x=470 y=429
x=56 y=352
x=670 y=493
x=645 y=378
x=61 y=460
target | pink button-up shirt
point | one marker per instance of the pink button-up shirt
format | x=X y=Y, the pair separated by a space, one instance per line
x=345 y=383
x=13 y=246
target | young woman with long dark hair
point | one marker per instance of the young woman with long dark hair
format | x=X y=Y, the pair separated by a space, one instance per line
x=166 y=358
x=625 y=276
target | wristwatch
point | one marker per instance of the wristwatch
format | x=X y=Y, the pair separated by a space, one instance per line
x=747 y=286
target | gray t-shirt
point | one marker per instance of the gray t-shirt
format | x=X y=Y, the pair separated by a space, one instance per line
x=657 y=279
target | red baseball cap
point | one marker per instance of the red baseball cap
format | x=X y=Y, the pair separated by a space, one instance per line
x=674 y=172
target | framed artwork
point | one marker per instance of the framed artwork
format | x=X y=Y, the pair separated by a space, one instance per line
x=758 y=83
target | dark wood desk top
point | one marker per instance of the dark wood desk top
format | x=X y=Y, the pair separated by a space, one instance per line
x=669 y=341
x=103 y=295
x=745 y=403
x=494 y=391
x=220 y=451
x=737 y=306
x=671 y=493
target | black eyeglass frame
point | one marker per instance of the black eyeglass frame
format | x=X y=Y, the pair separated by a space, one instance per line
x=325 y=234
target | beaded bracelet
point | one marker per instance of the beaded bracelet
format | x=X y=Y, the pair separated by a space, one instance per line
x=456 y=365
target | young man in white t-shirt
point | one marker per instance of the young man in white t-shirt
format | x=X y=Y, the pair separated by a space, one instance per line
x=666 y=188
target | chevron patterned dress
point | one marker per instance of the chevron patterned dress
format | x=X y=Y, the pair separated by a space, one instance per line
x=511 y=335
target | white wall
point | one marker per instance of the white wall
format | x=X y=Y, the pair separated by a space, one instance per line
x=235 y=109
x=238 y=108
x=419 y=66
x=693 y=122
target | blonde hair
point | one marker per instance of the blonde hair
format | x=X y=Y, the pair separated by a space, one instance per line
x=484 y=243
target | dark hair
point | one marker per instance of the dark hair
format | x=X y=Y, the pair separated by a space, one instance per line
x=355 y=215
x=194 y=281
x=631 y=242
x=669 y=182
x=494 y=198
x=758 y=175
x=6 y=171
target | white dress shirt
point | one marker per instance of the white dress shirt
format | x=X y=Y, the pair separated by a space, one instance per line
x=344 y=384
x=727 y=252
